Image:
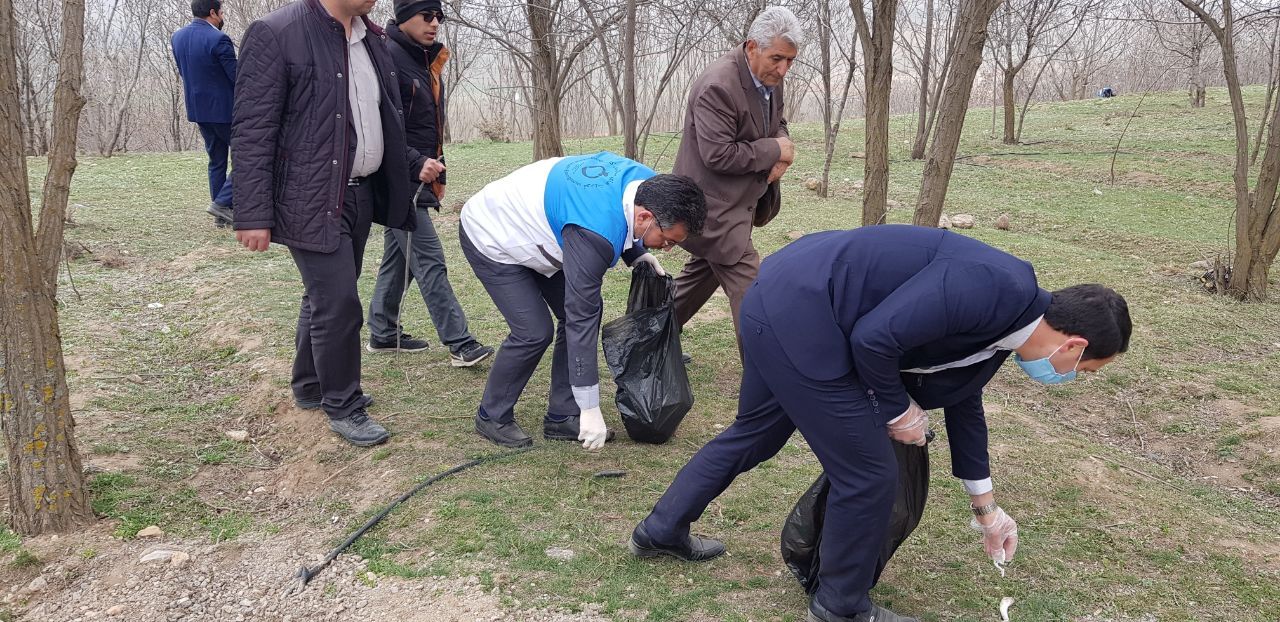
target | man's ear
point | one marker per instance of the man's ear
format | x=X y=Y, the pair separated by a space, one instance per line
x=1076 y=342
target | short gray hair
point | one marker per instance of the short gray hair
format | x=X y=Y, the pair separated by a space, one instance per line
x=776 y=22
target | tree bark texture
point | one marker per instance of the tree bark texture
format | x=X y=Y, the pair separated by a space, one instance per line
x=630 y=140
x=546 y=91
x=926 y=60
x=1009 y=101
x=47 y=491
x=971 y=37
x=877 y=53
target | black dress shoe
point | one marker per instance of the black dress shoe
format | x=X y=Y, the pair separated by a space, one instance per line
x=694 y=549
x=505 y=434
x=312 y=403
x=566 y=430
x=220 y=213
x=818 y=613
x=359 y=430
x=686 y=359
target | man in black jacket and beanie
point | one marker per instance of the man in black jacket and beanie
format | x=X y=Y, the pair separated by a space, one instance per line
x=419 y=60
x=320 y=153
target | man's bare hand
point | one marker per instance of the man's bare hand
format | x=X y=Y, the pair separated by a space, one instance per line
x=431 y=169
x=256 y=240
x=788 y=148
x=778 y=171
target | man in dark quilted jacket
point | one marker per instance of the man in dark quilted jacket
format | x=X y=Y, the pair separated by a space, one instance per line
x=318 y=134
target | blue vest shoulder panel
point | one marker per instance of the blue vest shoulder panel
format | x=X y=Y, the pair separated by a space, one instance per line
x=586 y=190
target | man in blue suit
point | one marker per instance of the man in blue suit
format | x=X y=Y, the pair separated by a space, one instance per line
x=207 y=63
x=850 y=336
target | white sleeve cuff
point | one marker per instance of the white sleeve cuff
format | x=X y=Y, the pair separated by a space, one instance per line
x=587 y=397
x=977 y=486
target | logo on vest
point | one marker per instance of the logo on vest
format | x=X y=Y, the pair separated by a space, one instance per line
x=593 y=172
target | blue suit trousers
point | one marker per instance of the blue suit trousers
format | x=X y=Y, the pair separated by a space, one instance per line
x=217 y=142
x=841 y=422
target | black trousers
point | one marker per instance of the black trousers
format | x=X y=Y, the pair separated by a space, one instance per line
x=327 y=363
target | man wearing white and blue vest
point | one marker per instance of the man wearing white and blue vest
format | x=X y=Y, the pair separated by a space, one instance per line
x=541 y=240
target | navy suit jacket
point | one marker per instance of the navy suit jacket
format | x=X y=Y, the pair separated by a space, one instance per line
x=207 y=63
x=877 y=300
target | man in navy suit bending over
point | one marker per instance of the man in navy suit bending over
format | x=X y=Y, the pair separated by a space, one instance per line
x=850 y=336
x=207 y=63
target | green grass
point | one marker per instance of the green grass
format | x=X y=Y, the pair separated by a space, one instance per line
x=1147 y=489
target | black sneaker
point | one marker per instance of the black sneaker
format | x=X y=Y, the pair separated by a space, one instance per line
x=566 y=430
x=222 y=215
x=470 y=354
x=312 y=403
x=360 y=430
x=505 y=434
x=686 y=359
x=406 y=343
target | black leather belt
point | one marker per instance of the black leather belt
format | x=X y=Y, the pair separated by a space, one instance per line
x=356 y=181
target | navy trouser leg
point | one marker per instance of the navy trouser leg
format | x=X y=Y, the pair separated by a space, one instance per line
x=847 y=436
x=327 y=362
x=217 y=141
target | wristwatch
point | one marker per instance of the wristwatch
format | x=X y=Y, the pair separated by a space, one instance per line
x=983 y=510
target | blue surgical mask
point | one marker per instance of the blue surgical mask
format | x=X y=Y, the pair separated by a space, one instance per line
x=1042 y=371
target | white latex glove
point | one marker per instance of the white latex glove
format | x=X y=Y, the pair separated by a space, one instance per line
x=591 y=429
x=999 y=538
x=651 y=260
x=910 y=427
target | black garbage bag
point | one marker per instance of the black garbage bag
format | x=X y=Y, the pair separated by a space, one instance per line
x=802 y=532
x=642 y=349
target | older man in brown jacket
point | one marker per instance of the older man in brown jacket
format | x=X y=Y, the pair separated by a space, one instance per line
x=736 y=146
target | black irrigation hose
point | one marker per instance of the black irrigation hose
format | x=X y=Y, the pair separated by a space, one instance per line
x=305 y=574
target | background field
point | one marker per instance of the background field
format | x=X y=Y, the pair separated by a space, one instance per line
x=1148 y=491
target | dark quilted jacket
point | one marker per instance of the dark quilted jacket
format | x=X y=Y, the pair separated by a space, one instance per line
x=291 y=136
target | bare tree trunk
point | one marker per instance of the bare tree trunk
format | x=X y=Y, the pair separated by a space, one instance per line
x=832 y=110
x=1078 y=84
x=1197 y=89
x=546 y=92
x=922 y=125
x=630 y=146
x=971 y=37
x=47 y=491
x=877 y=54
x=1009 y=103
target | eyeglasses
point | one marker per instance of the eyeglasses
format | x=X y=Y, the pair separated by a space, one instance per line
x=433 y=15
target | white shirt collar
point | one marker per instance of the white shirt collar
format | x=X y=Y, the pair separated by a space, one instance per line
x=1018 y=337
x=358 y=31
x=629 y=211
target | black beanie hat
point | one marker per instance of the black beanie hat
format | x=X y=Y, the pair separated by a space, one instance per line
x=406 y=9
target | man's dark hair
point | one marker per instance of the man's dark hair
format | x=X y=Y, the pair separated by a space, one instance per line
x=673 y=199
x=201 y=8
x=1094 y=312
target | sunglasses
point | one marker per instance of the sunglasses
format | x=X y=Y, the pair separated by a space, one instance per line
x=430 y=15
